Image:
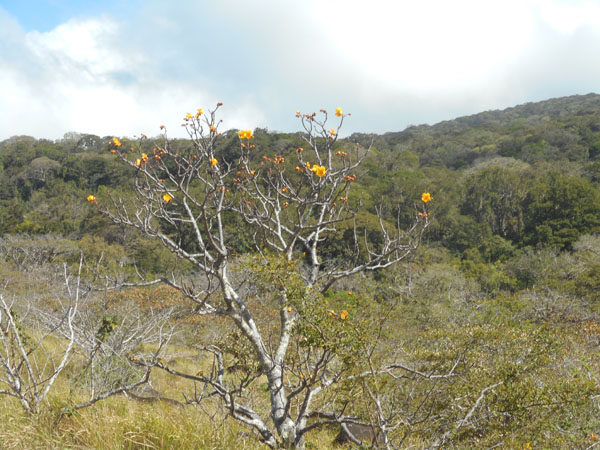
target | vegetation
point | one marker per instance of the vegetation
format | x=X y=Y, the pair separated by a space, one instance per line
x=467 y=318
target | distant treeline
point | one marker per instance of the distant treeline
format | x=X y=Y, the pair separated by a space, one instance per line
x=503 y=182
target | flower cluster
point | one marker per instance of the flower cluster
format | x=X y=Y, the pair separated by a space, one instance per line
x=142 y=160
x=245 y=134
x=319 y=171
x=350 y=178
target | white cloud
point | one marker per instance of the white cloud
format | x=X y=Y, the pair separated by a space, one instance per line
x=390 y=63
x=79 y=77
x=567 y=17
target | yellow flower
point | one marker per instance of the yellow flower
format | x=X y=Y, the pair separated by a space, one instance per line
x=344 y=314
x=332 y=132
x=245 y=134
x=214 y=162
x=338 y=112
x=213 y=129
x=200 y=112
x=138 y=162
x=91 y=198
x=426 y=197
x=144 y=157
x=167 y=197
x=319 y=171
x=115 y=142
x=189 y=116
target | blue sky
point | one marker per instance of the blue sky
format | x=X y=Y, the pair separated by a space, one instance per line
x=125 y=67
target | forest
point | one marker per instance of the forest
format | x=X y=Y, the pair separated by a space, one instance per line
x=436 y=287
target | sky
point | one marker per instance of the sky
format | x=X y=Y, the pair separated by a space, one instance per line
x=125 y=67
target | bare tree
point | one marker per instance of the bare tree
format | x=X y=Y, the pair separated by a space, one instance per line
x=28 y=370
x=184 y=198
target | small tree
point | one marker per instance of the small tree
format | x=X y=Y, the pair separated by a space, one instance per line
x=28 y=369
x=186 y=198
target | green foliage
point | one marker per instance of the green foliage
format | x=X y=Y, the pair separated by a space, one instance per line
x=506 y=284
x=560 y=209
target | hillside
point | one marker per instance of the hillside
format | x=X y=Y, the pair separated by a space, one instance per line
x=489 y=327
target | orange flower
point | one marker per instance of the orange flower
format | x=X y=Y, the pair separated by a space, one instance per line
x=91 y=199
x=286 y=204
x=319 y=171
x=424 y=215
x=338 y=112
x=167 y=197
x=214 y=162
x=213 y=129
x=245 y=134
x=144 y=157
x=426 y=197
x=344 y=314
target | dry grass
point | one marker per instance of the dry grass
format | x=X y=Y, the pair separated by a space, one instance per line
x=120 y=422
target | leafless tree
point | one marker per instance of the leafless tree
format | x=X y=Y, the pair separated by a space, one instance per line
x=184 y=198
x=28 y=369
